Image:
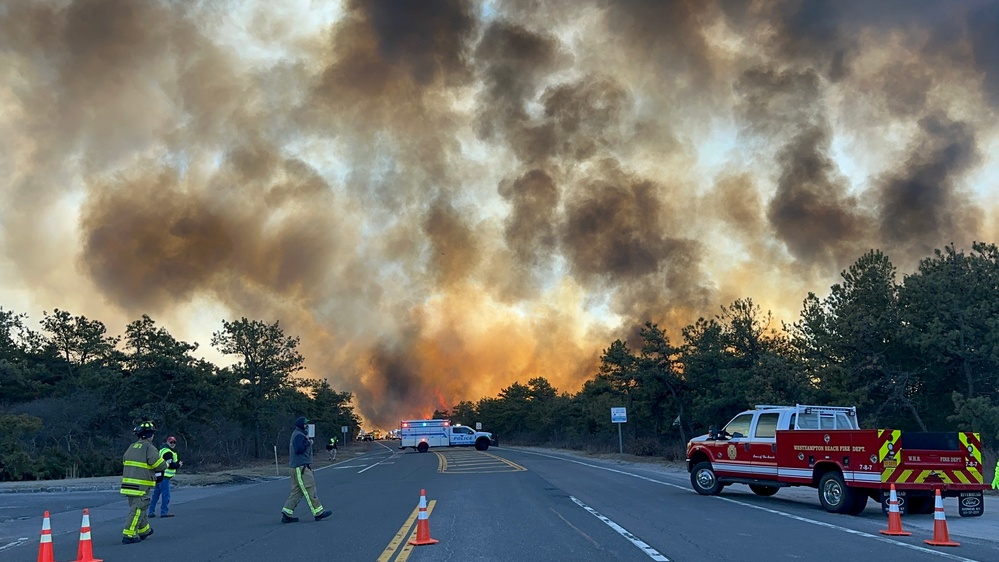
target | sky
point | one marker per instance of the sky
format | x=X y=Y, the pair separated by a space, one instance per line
x=443 y=198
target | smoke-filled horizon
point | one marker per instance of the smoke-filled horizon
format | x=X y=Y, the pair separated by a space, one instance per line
x=442 y=198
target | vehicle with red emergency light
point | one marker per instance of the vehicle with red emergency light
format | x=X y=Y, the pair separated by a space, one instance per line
x=773 y=447
x=423 y=434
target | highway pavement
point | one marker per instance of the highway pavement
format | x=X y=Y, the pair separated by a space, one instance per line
x=504 y=504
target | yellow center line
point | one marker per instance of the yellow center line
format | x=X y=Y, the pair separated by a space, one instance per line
x=406 y=550
x=393 y=544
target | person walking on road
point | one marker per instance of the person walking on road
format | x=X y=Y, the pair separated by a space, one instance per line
x=171 y=462
x=141 y=464
x=303 y=481
x=995 y=479
x=332 y=448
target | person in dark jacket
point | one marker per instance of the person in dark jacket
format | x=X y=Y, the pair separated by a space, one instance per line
x=303 y=482
x=332 y=448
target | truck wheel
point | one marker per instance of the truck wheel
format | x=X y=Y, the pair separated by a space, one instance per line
x=422 y=447
x=834 y=494
x=704 y=480
x=859 y=504
x=482 y=444
x=765 y=491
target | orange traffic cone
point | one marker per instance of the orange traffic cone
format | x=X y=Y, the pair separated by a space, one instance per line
x=423 y=524
x=894 y=517
x=85 y=552
x=45 y=553
x=940 y=535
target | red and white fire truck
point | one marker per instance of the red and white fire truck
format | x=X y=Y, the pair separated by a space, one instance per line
x=772 y=447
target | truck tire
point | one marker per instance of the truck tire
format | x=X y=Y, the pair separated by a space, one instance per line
x=859 y=504
x=765 y=491
x=704 y=480
x=834 y=495
x=423 y=447
x=482 y=444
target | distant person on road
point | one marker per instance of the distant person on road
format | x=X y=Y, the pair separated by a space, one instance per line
x=303 y=482
x=332 y=448
x=995 y=479
x=171 y=462
x=141 y=465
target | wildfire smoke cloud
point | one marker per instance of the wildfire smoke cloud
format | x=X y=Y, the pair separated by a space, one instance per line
x=444 y=197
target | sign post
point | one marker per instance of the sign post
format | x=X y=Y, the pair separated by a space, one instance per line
x=344 y=429
x=619 y=416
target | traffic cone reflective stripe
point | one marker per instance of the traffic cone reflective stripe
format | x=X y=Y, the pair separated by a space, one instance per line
x=940 y=535
x=45 y=553
x=894 y=516
x=85 y=552
x=423 y=524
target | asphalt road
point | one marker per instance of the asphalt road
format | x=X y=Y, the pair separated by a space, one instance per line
x=504 y=504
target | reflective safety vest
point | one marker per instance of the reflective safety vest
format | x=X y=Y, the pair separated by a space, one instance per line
x=140 y=461
x=169 y=472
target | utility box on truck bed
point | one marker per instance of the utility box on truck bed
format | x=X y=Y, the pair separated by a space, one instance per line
x=822 y=447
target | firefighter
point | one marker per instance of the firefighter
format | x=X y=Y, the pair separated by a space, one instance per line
x=995 y=479
x=303 y=481
x=171 y=462
x=332 y=448
x=141 y=470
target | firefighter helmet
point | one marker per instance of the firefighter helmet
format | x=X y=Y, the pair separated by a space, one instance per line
x=145 y=429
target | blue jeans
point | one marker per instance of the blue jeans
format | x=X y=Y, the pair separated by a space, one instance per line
x=162 y=489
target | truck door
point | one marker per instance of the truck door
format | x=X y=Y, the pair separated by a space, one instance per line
x=763 y=446
x=732 y=457
x=461 y=435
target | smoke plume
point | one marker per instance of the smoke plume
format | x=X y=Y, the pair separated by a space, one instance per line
x=443 y=198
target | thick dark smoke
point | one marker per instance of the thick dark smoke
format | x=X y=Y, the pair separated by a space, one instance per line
x=442 y=198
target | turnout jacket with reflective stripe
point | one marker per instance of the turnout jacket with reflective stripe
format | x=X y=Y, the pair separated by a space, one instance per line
x=141 y=460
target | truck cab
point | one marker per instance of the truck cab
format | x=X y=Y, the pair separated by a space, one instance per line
x=747 y=446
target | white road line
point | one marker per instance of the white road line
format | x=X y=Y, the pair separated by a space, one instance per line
x=18 y=542
x=374 y=465
x=768 y=510
x=653 y=553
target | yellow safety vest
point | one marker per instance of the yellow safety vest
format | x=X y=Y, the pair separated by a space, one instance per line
x=169 y=472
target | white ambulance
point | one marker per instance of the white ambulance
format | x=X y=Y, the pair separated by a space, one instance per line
x=423 y=434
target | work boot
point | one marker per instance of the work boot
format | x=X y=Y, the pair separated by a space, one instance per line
x=145 y=536
x=286 y=519
x=130 y=540
x=324 y=515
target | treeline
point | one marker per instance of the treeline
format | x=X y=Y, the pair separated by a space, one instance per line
x=70 y=395
x=920 y=354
